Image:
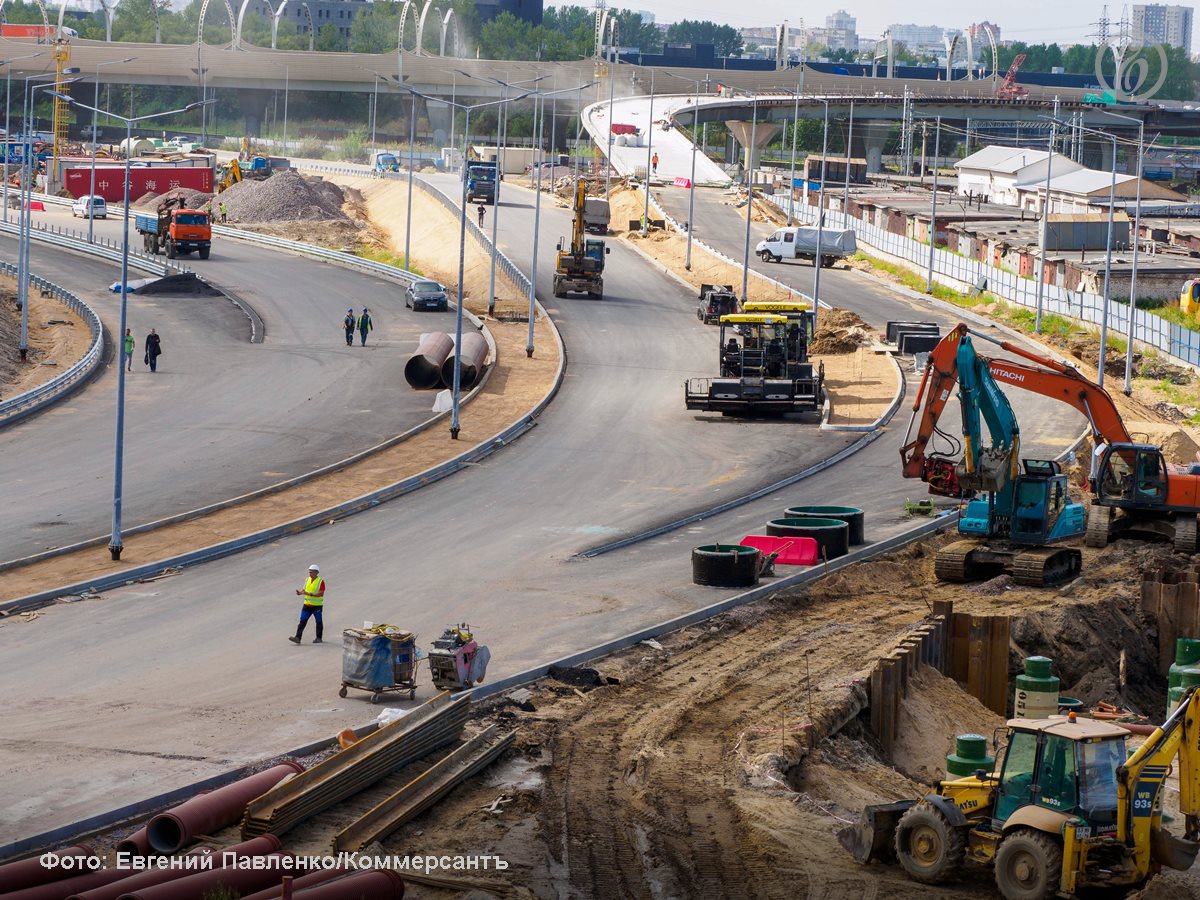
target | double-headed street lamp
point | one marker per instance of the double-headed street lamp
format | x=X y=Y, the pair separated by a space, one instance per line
x=501 y=146
x=749 y=196
x=462 y=249
x=687 y=261
x=92 y=187
x=649 y=145
x=25 y=218
x=115 y=545
x=539 y=121
x=1137 y=221
x=7 y=131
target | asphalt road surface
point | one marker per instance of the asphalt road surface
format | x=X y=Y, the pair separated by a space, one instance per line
x=221 y=416
x=153 y=686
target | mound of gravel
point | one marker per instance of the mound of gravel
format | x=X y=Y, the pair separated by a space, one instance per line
x=285 y=197
x=191 y=199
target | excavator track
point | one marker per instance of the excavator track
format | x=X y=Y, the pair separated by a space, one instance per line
x=953 y=562
x=1046 y=566
x=1185 y=533
x=1099 y=525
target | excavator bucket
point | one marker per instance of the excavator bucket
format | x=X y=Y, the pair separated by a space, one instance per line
x=874 y=836
x=1170 y=851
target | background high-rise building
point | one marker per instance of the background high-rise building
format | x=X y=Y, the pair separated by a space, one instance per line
x=919 y=38
x=1162 y=24
x=841 y=21
x=978 y=33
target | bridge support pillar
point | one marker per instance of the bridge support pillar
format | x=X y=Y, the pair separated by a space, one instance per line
x=253 y=103
x=438 y=113
x=869 y=140
x=764 y=133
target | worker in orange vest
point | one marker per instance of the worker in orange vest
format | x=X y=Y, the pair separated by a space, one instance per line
x=313 y=593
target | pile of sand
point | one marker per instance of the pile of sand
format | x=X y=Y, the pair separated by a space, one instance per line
x=839 y=331
x=935 y=710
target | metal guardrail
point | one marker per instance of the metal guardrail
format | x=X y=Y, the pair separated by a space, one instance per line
x=503 y=263
x=32 y=400
x=101 y=248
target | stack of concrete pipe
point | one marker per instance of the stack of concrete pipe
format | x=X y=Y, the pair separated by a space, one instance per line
x=432 y=366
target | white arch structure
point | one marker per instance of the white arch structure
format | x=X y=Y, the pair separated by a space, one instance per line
x=41 y=6
x=229 y=15
x=607 y=35
x=408 y=5
x=447 y=21
x=278 y=16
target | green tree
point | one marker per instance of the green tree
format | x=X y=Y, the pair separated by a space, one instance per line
x=724 y=38
x=636 y=33
x=329 y=39
x=375 y=30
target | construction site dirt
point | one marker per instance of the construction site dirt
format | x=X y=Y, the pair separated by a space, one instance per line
x=721 y=760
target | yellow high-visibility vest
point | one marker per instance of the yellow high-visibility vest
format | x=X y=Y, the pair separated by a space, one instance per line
x=312 y=597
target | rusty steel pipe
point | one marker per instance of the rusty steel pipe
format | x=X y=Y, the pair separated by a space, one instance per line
x=200 y=884
x=299 y=884
x=137 y=844
x=378 y=884
x=209 y=813
x=259 y=846
x=56 y=890
x=16 y=876
x=423 y=371
x=474 y=354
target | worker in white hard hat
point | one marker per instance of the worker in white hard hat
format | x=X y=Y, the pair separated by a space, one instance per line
x=313 y=593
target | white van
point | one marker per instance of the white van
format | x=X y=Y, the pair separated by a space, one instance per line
x=801 y=243
x=96 y=203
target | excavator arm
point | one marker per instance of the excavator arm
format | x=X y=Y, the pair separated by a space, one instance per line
x=954 y=361
x=578 y=229
x=1140 y=784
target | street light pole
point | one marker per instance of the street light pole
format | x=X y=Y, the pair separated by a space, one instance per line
x=115 y=545
x=691 y=219
x=612 y=81
x=820 y=216
x=1045 y=229
x=7 y=131
x=374 y=114
x=749 y=197
x=937 y=146
x=412 y=138
x=1137 y=221
x=286 y=85
x=849 y=157
x=92 y=185
x=649 y=144
x=792 y=175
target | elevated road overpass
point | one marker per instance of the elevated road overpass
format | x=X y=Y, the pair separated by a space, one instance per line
x=253 y=71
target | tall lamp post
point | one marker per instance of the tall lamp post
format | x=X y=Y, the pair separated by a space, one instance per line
x=462 y=250
x=501 y=143
x=28 y=170
x=1137 y=221
x=937 y=149
x=792 y=168
x=820 y=216
x=687 y=261
x=539 y=113
x=7 y=131
x=1108 y=244
x=412 y=138
x=649 y=144
x=92 y=182
x=749 y=197
x=115 y=545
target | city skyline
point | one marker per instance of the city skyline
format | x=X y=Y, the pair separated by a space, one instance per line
x=1020 y=20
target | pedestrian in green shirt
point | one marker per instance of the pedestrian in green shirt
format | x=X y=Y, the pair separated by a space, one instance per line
x=128 y=349
x=365 y=325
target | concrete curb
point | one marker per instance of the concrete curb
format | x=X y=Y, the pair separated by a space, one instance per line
x=103 y=821
x=887 y=414
x=808 y=472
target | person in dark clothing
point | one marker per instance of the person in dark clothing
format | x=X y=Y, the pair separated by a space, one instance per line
x=153 y=350
x=365 y=325
x=348 y=324
x=482 y=210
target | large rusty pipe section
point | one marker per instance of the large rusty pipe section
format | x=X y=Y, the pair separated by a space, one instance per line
x=201 y=884
x=137 y=844
x=423 y=371
x=260 y=846
x=474 y=353
x=209 y=813
x=377 y=884
x=26 y=873
x=56 y=890
x=298 y=884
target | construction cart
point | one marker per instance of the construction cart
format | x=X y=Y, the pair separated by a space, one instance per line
x=379 y=660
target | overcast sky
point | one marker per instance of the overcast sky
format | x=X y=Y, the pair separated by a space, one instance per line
x=1032 y=21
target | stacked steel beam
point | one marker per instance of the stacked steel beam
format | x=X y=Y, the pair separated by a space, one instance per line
x=425 y=790
x=428 y=727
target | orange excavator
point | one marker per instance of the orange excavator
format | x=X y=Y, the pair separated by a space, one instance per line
x=1136 y=492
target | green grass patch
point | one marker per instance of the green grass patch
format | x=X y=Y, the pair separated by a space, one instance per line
x=379 y=255
x=1180 y=396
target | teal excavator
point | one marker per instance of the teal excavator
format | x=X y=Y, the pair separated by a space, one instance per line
x=1015 y=510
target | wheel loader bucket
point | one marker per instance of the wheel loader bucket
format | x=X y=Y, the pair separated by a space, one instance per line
x=874 y=837
x=1170 y=851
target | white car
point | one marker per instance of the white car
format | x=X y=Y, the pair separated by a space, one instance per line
x=97 y=206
